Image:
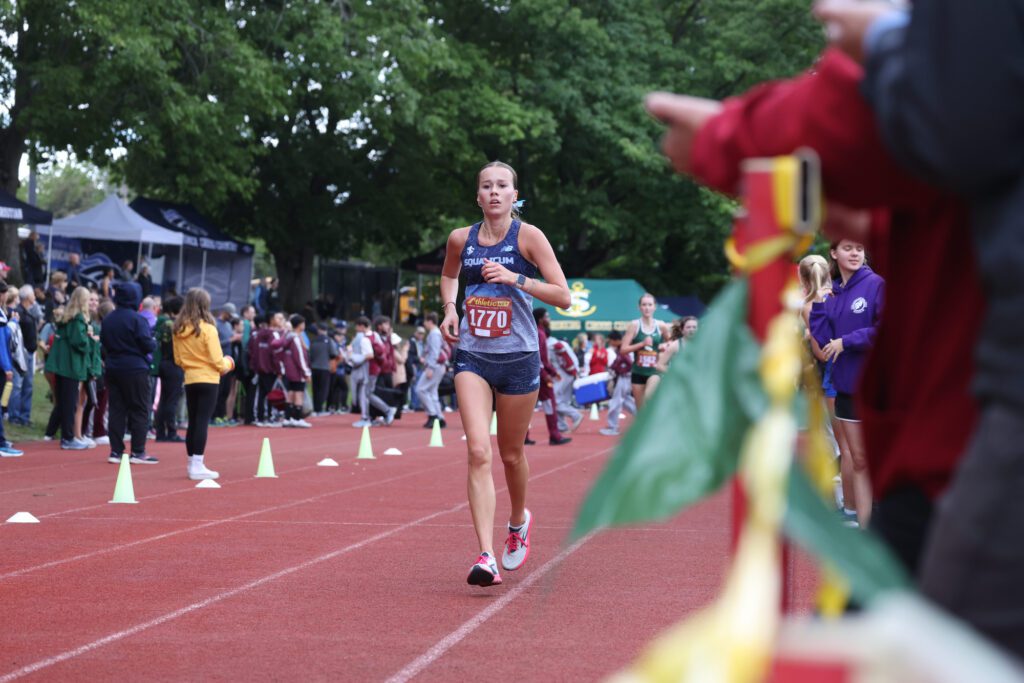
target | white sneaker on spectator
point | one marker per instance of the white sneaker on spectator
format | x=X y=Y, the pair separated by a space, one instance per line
x=89 y=442
x=390 y=417
x=288 y=422
x=197 y=470
x=102 y=440
x=301 y=423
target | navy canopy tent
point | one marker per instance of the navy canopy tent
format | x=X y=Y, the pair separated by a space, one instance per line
x=14 y=210
x=221 y=265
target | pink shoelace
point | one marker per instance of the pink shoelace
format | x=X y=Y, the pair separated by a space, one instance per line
x=514 y=541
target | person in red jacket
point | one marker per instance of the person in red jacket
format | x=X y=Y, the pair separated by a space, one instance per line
x=595 y=360
x=914 y=400
x=293 y=357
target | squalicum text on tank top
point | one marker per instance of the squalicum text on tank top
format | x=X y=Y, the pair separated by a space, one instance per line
x=503 y=260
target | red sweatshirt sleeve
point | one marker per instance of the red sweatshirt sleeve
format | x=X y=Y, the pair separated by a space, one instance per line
x=822 y=110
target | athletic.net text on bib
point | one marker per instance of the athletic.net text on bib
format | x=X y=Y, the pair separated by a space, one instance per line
x=489 y=316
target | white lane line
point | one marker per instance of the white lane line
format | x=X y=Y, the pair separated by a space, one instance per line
x=415 y=667
x=465 y=525
x=138 y=628
x=169 y=534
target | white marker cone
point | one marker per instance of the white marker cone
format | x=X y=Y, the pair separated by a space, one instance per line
x=207 y=484
x=22 y=518
x=328 y=462
x=392 y=451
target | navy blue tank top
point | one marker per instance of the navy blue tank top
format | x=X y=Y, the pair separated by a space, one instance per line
x=496 y=318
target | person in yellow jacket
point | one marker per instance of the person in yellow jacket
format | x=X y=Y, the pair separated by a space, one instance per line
x=197 y=350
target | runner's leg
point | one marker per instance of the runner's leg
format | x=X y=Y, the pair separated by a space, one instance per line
x=514 y=414
x=475 y=410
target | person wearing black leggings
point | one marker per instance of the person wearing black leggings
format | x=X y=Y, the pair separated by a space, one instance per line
x=197 y=350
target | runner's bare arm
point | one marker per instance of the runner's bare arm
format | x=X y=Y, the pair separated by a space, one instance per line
x=534 y=246
x=627 y=345
x=450 y=284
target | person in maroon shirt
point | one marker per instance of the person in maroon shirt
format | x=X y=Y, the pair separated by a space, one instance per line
x=548 y=374
x=914 y=398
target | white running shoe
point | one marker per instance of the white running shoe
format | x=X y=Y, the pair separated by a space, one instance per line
x=484 y=572
x=301 y=423
x=102 y=440
x=198 y=470
x=288 y=422
x=608 y=431
x=517 y=545
x=89 y=443
x=390 y=417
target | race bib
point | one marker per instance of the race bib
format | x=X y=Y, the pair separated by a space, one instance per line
x=646 y=358
x=489 y=316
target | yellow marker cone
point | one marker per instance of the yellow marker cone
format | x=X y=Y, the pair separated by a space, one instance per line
x=494 y=424
x=124 y=491
x=593 y=412
x=266 y=466
x=365 y=448
x=435 y=436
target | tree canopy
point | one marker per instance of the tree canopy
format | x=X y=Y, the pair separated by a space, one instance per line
x=332 y=127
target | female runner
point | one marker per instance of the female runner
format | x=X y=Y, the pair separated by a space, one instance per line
x=642 y=339
x=497 y=353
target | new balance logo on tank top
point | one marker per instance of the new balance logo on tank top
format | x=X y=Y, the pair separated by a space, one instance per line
x=496 y=318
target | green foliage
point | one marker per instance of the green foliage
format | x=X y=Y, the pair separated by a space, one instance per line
x=555 y=88
x=148 y=90
x=348 y=127
x=68 y=189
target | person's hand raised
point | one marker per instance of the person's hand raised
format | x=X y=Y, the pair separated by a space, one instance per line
x=685 y=116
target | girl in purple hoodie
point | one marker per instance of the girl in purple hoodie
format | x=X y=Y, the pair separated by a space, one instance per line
x=844 y=320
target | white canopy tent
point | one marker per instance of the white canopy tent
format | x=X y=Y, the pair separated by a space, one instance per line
x=111 y=219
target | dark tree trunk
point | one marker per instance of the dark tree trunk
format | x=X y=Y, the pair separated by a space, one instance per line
x=12 y=147
x=295 y=274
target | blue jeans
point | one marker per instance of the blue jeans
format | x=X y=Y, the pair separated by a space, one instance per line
x=414 y=399
x=19 y=408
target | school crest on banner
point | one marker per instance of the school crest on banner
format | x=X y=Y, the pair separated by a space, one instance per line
x=580 y=306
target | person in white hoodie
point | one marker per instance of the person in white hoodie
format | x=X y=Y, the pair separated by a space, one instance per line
x=568 y=366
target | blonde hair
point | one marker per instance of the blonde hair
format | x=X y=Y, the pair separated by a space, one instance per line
x=57 y=277
x=814 y=275
x=12 y=298
x=78 y=304
x=194 y=311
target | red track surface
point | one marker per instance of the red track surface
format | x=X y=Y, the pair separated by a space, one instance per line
x=353 y=573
